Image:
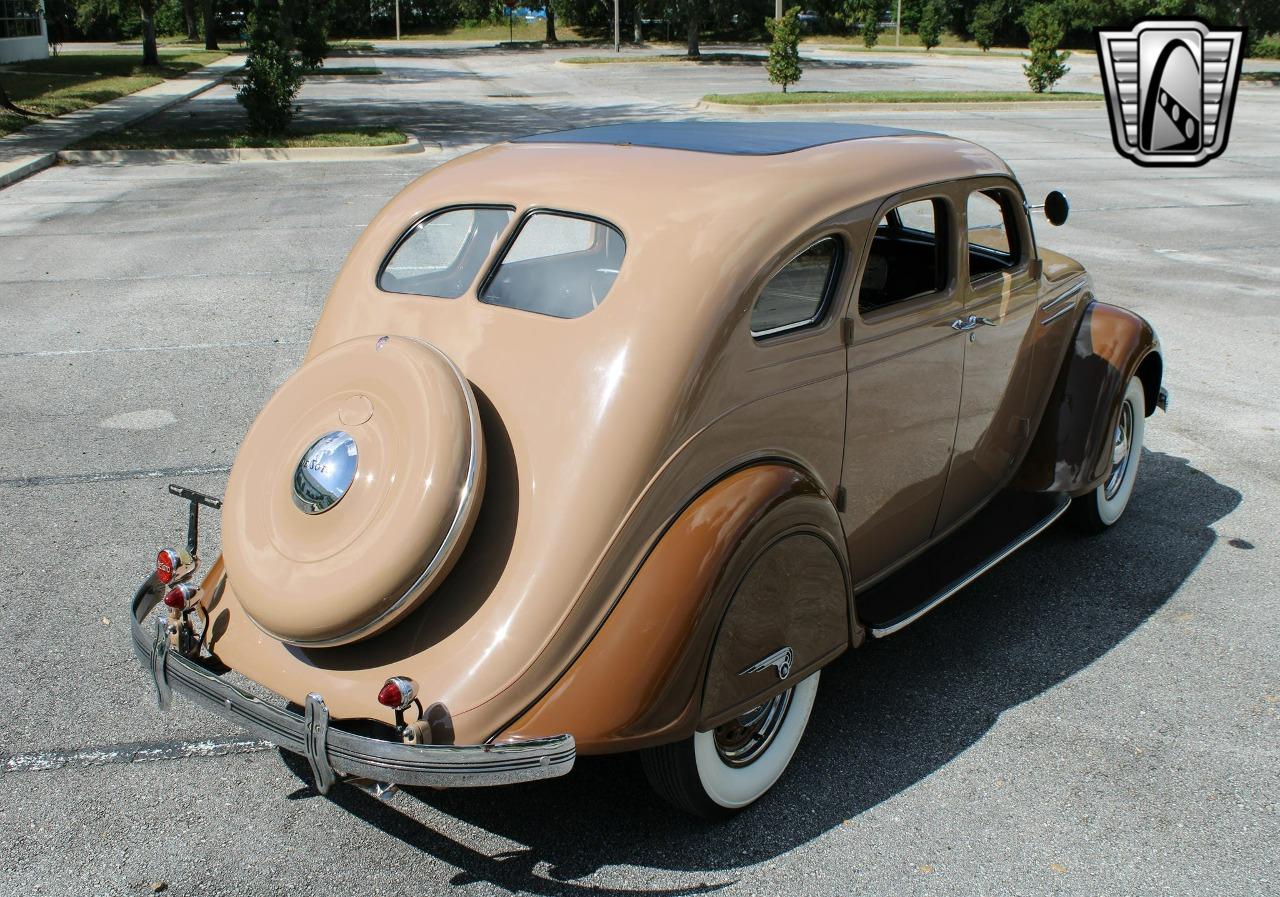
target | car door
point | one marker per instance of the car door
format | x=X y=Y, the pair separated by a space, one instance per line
x=1001 y=288
x=905 y=364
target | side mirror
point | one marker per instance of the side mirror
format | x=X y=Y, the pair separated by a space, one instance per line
x=1056 y=208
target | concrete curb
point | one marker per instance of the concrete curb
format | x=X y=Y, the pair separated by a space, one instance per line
x=281 y=154
x=25 y=166
x=706 y=106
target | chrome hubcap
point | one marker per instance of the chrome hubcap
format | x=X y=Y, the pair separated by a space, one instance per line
x=742 y=741
x=1121 y=449
x=325 y=472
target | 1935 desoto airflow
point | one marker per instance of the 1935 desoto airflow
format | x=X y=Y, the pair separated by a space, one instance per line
x=611 y=439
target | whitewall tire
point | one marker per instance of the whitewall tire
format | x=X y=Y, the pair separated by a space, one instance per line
x=1097 y=510
x=716 y=773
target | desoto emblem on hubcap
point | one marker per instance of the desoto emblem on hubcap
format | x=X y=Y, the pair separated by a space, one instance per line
x=325 y=472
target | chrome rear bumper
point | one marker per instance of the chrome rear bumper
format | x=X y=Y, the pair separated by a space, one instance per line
x=334 y=752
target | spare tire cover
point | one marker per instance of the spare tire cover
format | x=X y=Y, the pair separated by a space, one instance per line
x=354 y=491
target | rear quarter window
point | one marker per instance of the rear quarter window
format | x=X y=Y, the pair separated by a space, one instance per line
x=559 y=264
x=442 y=254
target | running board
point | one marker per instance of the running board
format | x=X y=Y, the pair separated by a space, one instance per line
x=958 y=560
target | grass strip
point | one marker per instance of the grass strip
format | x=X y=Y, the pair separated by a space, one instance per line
x=74 y=81
x=141 y=138
x=803 y=97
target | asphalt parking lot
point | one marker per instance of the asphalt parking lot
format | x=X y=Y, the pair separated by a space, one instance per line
x=1096 y=716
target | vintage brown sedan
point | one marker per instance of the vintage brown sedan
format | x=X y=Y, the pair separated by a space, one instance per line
x=611 y=439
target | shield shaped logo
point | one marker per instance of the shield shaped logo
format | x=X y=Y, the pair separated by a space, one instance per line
x=1171 y=88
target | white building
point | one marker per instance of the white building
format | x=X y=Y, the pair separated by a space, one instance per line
x=22 y=31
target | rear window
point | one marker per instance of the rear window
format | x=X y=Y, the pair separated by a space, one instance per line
x=558 y=264
x=443 y=253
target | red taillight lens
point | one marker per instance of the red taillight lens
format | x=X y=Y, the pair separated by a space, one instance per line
x=397 y=692
x=166 y=562
x=180 y=597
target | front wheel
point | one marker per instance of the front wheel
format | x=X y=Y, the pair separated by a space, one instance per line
x=1095 y=511
x=716 y=773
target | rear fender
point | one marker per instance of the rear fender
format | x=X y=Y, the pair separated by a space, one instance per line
x=1071 y=449
x=752 y=564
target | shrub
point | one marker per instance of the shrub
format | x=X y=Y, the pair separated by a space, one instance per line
x=1266 y=47
x=311 y=32
x=784 y=53
x=866 y=13
x=930 y=27
x=1045 y=30
x=272 y=78
x=986 y=21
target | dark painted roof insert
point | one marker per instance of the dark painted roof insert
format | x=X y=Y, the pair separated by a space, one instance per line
x=736 y=138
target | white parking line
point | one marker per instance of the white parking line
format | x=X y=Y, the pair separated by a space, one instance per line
x=138 y=752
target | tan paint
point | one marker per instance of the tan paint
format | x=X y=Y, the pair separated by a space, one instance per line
x=600 y=429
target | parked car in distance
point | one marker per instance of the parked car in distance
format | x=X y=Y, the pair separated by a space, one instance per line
x=611 y=439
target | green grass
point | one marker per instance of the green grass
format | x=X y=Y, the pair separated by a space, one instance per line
x=134 y=138
x=1262 y=77
x=521 y=31
x=74 y=81
x=951 y=45
x=349 y=70
x=802 y=97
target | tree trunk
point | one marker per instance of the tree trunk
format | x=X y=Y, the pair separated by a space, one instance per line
x=147 y=9
x=695 y=26
x=639 y=22
x=210 y=25
x=551 y=23
x=189 y=13
x=6 y=103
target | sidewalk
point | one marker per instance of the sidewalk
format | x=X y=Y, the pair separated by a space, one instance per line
x=35 y=147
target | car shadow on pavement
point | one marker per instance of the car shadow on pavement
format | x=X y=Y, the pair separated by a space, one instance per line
x=887 y=715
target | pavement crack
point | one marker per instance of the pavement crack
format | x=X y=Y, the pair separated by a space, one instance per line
x=131 y=752
x=110 y=476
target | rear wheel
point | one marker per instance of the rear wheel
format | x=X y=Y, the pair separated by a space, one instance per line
x=1095 y=511
x=716 y=773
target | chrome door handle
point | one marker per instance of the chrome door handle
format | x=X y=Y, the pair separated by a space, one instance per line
x=972 y=322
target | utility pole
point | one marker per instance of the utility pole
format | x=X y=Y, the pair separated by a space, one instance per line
x=897 y=38
x=398 y=19
x=617 y=33
x=777 y=8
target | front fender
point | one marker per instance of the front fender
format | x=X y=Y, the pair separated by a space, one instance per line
x=1071 y=449
x=640 y=680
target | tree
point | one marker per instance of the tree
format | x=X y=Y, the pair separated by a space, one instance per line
x=930 y=27
x=985 y=24
x=784 y=53
x=147 y=11
x=866 y=13
x=695 y=28
x=1045 y=30
x=272 y=77
x=210 y=25
x=550 y=7
x=189 y=18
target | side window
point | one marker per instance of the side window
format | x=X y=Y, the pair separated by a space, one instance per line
x=558 y=265
x=797 y=295
x=993 y=232
x=442 y=254
x=908 y=257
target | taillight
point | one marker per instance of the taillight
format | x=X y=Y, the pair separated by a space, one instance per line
x=166 y=562
x=180 y=597
x=398 y=692
x=174 y=566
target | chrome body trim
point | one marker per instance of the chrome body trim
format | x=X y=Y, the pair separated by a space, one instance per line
x=781 y=660
x=1063 y=296
x=332 y=749
x=1066 y=309
x=909 y=618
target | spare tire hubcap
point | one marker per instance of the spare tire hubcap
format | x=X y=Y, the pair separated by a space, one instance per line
x=325 y=472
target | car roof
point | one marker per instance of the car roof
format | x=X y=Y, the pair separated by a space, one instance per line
x=735 y=138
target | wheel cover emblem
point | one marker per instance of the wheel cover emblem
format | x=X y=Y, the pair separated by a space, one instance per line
x=325 y=472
